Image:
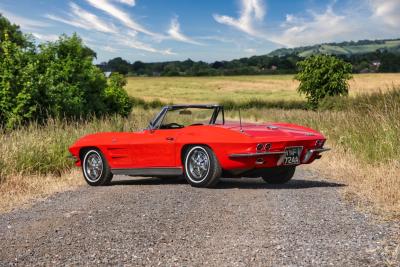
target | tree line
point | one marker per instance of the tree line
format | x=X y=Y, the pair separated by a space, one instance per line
x=379 y=61
x=53 y=80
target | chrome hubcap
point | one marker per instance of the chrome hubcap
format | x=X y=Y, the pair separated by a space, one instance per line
x=93 y=167
x=199 y=164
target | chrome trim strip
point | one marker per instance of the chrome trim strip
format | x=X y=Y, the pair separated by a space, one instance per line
x=311 y=152
x=320 y=150
x=243 y=155
x=149 y=171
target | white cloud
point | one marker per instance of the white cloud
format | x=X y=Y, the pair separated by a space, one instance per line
x=252 y=11
x=369 y=19
x=83 y=19
x=45 y=37
x=250 y=50
x=141 y=46
x=122 y=16
x=388 y=11
x=24 y=23
x=108 y=49
x=176 y=34
x=127 y=2
x=325 y=27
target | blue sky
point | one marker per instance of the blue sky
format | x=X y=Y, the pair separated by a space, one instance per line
x=209 y=30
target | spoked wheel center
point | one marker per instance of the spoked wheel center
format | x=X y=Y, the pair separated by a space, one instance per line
x=199 y=164
x=93 y=167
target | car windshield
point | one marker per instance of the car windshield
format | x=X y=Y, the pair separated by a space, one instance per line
x=173 y=117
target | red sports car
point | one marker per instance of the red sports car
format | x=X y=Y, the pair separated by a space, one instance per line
x=195 y=142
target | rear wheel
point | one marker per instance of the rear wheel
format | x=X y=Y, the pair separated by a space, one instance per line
x=202 y=168
x=95 y=168
x=278 y=175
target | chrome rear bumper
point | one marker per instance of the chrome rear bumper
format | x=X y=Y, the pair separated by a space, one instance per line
x=247 y=155
x=311 y=152
x=305 y=159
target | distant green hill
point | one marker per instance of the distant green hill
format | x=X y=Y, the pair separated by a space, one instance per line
x=345 y=48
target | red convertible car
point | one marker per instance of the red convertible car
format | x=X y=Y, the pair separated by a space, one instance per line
x=195 y=142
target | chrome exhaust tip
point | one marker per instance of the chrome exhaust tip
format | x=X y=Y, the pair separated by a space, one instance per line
x=260 y=161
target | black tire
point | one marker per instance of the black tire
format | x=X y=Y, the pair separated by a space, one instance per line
x=278 y=175
x=206 y=171
x=101 y=172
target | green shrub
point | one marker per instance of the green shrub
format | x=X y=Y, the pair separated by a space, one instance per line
x=152 y=104
x=322 y=76
x=73 y=87
x=115 y=97
x=19 y=83
x=56 y=80
x=15 y=34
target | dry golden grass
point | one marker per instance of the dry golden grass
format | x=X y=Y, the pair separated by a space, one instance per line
x=366 y=150
x=366 y=154
x=372 y=187
x=241 y=88
x=21 y=189
x=371 y=83
x=34 y=159
x=212 y=89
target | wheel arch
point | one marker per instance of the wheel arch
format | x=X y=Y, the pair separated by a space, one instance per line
x=85 y=149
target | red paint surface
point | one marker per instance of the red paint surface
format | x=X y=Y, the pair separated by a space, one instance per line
x=163 y=148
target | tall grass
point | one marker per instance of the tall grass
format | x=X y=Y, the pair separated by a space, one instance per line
x=364 y=132
x=366 y=140
x=43 y=149
x=241 y=88
x=369 y=127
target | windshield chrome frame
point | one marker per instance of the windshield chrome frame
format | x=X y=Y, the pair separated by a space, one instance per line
x=159 y=118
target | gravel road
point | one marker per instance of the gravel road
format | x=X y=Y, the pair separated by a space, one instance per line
x=243 y=222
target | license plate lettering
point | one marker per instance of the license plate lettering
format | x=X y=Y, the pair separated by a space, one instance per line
x=292 y=156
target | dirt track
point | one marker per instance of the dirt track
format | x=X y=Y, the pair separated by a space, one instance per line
x=242 y=222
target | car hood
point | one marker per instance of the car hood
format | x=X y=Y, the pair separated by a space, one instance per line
x=280 y=130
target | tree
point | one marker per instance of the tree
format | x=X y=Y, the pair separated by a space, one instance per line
x=321 y=76
x=14 y=33
x=70 y=85
x=18 y=84
x=115 y=97
x=57 y=79
x=119 y=65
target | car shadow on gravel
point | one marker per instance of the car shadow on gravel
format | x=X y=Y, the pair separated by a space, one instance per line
x=246 y=183
x=145 y=181
x=233 y=183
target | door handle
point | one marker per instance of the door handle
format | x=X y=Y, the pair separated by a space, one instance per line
x=170 y=138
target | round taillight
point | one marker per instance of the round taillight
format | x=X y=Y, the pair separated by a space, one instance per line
x=267 y=146
x=319 y=143
x=259 y=147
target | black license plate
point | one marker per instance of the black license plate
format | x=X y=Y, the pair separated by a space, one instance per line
x=292 y=156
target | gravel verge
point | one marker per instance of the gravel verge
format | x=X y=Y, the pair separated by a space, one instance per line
x=243 y=222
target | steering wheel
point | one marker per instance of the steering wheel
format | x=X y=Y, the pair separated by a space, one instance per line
x=172 y=125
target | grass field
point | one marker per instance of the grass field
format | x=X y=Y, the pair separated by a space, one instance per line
x=241 y=88
x=365 y=138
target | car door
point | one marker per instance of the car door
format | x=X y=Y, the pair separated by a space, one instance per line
x=155 y=149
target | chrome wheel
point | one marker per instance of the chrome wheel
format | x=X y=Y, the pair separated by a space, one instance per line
x=197 y=164
x=93 y=166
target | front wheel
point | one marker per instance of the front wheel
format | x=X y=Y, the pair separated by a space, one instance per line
x=202 y=168
x=95 y=168
x=278 y=175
